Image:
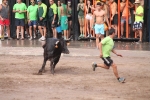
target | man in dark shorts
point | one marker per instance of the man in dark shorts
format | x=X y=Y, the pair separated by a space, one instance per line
x=42 y=10
x=32 y=18
x=106 y=47
x=114 y=15
x=20 y=9
x=53 y=17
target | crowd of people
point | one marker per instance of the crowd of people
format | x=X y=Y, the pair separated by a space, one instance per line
x=104 y=14
x=37 y=16
x=99 y=18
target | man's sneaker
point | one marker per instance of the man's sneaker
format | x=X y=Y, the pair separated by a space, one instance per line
x=122 y=80
x=89 y=35
x=34 y=36
x=40 y=39
x=81 y=36
x=43 y=38
x=94 y=65
x=2 y=38
x=9 y=38
x=30 y=38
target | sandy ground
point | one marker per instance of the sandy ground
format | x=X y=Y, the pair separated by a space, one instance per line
x=74 y=79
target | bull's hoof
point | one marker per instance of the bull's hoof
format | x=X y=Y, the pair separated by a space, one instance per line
x=52 y=71
x=39 y=73
x=44 y=71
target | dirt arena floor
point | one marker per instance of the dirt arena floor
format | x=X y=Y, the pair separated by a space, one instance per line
x=74 y=79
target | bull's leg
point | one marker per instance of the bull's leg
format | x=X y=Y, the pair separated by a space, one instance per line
x=53 y=64
x=43 y=66
x=52 y=67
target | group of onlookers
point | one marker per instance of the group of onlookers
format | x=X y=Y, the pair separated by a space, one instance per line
x=37 y=15
x=99 y=17
x=104 y=14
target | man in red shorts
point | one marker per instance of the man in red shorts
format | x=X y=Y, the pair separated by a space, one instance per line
x=4 y=18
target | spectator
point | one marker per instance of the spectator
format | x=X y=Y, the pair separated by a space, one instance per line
x=99 y=15
x=81 y=9
x=69 y=9
x=123 y=9
x=20 y=9
x=138 y=24
x=59 y=6
x=4 y=18
x=106 y=8
x=42 y=10
x=114 y=15
x=88 y=17
x=64 y=19
x=53 y=17
x=32 y=18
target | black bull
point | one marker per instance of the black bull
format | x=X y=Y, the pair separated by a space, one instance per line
x=52 y=51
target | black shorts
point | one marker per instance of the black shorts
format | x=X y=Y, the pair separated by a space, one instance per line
x=53 y=25
x=69 y=18
x=42 y=23
x=107 y=61
x=115 y=20
x=19 y=22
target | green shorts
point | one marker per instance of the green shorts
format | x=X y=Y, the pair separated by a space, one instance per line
x=64 y=22
x=80 y=17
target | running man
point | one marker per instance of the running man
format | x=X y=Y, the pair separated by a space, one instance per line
x=106 y=46
x=138 y=24
x=42 y=10
x=4 y=18
x=32 y=18
x=53 y=17
x=114 y=15
x=99 y=15
x=123 y=9
x=20 y=9
x=64 y=19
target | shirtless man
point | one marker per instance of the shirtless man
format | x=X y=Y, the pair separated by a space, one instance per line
x=123 y=9
x=64 y=19
x=99 y=15
x=105 y=7
x=114 y=15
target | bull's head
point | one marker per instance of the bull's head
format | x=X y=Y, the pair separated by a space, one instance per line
x=64 y=46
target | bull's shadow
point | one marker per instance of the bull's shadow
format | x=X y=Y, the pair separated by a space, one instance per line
x=52 y=51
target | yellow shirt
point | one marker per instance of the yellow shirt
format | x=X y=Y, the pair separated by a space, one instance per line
x=139 y=10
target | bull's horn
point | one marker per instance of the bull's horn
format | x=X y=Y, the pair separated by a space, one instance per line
x=56 y=44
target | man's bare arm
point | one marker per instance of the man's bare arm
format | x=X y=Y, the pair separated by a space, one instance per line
x=114 y=10
x=130 y=5
x=116 y=53
x=93 y=18
x=106 y=18
x=100 y=49
x=0 y=10
x=8 y=13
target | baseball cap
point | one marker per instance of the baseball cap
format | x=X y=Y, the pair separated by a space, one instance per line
x=137 y=1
